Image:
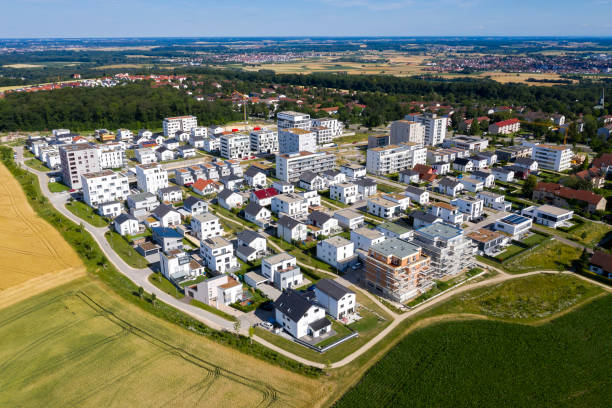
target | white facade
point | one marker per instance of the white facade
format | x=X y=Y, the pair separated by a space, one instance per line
x=289 y=167
x=435 y=127
x=179 y=123
x=218 y=254
x=78 y=159
x=235 y=146
x=393 y=159
x=364 y=237
x=264 y=141
x=332 y=124
x=548 y=215
x=289 y=204
x=353 y=171
x=344 y=192
x=111 y=156
x=205 y=226
x=349 y=219
x=289 y=119
x=336 y=251
x=552 y=157
x=337 y=303
x=217 y=291
x=104 y=187
x=470 y=206
x=417 y=195
x=198 y=131
x=282 y=270
x=403 y=131
x=124 y=134
x=174 y=265
x=514 y=225
x=151 y=177
x=294 y=140
x=145 y=156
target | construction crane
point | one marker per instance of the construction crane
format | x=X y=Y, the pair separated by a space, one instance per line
x=245 y=99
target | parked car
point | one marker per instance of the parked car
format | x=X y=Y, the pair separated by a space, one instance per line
x=266 y=325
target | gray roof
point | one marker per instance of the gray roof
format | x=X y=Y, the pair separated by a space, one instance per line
x=480 y=174
x=225 y=194
x=447 y=182
x=332 y=288
x=415 y=190
x=141 y=196
x=288 y=222
x=524 y=161
x=292 y=304
x=410 y=172
x=248 y=236
x=253 y=171
x=505 y=170
x=319 y=217
x=461 y=161
x=331 y=173
x=123 y=217
x=439 y=229
x=162 y=210
x=319 y=324
x=423 y=216
x=191 y=201
x=308 y=176
x=169 y=189
x=365 y=182
x=396 y=247
x=252 y=208
x=245 y=250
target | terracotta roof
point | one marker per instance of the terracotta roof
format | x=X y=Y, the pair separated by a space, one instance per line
x=507 y=122
x=569 y=193
x=201 y=184
x=603 y=260
x=604 y=160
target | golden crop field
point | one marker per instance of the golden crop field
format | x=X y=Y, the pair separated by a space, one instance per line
x=81 y=345
x=33 y=255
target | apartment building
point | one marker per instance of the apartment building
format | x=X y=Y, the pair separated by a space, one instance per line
x=353 y=171
x=396 y=269
x=323 y=135
x=124 y=135
x=78 y=159
x=218 y=254
x=145 y=155
x=505 y=127
x=403 y=131
x=349 y=219
x=364 y=237
x=449 y=249
x=206 y=225
x=334 y=125
x=289 y=204
x=282 y=271
x=471 y=143
x=435 y=126
x=337 y=251
x=295 y=140
x=344 y=192
x=151 y=177
x=471 y=207
x=553 y=157
x=289 y=167
x=383 y=208
x=111 y=156
x=235 y=146
x=511 y=153
x=290 y=119
x=197 y=131
x=104 y=187
x=394 y=158
x=179 y=124
x=264 y=141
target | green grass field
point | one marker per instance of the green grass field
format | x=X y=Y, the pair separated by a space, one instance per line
x=58 y=187
x=37 y=165
x=81 y=345
x=125 y=250
x=164 y=284
x=213 y=310
x=563 y=362
x=86 y=213
x=550 y=255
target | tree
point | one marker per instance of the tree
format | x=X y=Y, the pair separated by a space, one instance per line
x=140 y=291
x=237 y=327
x=475 y=128
x=585 y=163
x=153 y=299
x=529 y=186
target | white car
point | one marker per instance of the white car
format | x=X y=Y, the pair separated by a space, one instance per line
x=266 y=325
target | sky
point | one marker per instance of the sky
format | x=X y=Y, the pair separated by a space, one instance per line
x=239 y=18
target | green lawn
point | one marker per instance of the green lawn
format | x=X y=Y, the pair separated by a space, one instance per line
x=86 y=213
x=563 y=363
x=509 y=252
x=58 y=187
x=441 y=286
x=533 y=239
x=387 y=188
x=301 y=256
x=550 y=255
x=123 y=248
x=357 y=137
x=213 y=310
x=164 y=284
x=195 y=281
x=589 y=233
x=37 y=165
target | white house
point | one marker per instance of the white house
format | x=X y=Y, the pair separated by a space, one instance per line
x=470 y=206
x=167 y=215
x=503 y=174
x=126 y=224
x=164 y=154
x=289 y=204
x=353 y=171
x=383 y=208
x=110 y=209
x=195 y=206
x=183 y=177
x=349 y=219
x=493 y=200
x=263 y=197
x=463 y=165
x=313 y=182
x=216 y=291
x=291 y=230
x=334 y=177
x=255 y=177
x=283 y=187
x=514 y=225
x=171 y=194
x=325 y=224
x=206 y=225
x=312 y=198
x=218 y=254
x=344 y=192
x=151 y=177
x=257 y=214
x=472 y=185
x=337 y=252
x=364 y=238
x=337 y=299
x=250 y=246
x=417 y=195
x=229 y=199
x=282 y=271
x=140 y=204
x=548 y=215
x=299 y=316
x=449 y=186
x=409 y=176
x=478 y=162
x=447 y=212
x=366 y=187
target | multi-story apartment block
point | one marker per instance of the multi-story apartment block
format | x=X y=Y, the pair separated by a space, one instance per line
x=295 y=140
x=111 y=156
x=179 y=124
x=435 y=126
x=552 y=157
x=403 y=131
x=78 y=159
x=337 y=251
x=471 y=207
x=511 y=153
x=344 y=192
x=394 y=158
x=264 y=141
x=235 y=146
x=323 y=135
x=336 y=127
x=289 y=119
x=206 y=225
x=450 y=250
x=218 y=254
x=289 y=167
x=471 y=143
x=104 y=187
x=396 y=269
x=505 y=127
x=151 y=177
x=198 y=131
x=290 y=204
x=145 y=156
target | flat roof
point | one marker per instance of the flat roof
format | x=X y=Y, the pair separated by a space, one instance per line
x=393 y=227
x=551 y=209
x=283 y=256
x=338 y=241
x=368 y=232
x=484 y=235
x=396 y=247
x=441 y=230
x=514 y=219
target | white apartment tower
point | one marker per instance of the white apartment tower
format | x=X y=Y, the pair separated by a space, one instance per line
x=553 y=157
x=334 y=125
x=235 y=146
x=407 y=131
x=78 y=159
x=104 y=187
x=151 y=177
x=289 y=167
x=111 y=156
x=264 y=141
x=393 y=158
x=295 y=140
x=435 y=127
x=289 y=119
x=179 y=123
